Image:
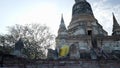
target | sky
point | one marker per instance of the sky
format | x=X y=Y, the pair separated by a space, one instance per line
x=48 y=12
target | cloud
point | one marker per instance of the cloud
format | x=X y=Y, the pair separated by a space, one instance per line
x=49 y=13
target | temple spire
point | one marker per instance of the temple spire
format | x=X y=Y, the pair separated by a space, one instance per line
x=62 y=27
x=62 y=34
x=115 y=23
x=116 y=26
x=62 y=20
x=79 y=1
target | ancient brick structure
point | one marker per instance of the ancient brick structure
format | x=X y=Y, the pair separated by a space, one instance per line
x=84 y=30
x=89 y=44
x=23 y=63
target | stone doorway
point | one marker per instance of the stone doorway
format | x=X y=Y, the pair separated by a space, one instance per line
x=89 y=32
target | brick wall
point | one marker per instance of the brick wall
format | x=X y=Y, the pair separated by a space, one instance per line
x=65 y=64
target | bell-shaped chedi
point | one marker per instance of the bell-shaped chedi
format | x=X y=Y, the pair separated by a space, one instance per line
x=83 y=21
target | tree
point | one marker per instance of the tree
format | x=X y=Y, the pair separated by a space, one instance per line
x=37 y=38
x=6 y=43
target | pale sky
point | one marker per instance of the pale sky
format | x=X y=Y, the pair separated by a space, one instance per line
x=49 y=12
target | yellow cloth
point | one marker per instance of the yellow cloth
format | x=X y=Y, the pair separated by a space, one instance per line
x=64 y=51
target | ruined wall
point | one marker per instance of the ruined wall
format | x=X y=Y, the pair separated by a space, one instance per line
x=109 y=43
x=68 y=64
